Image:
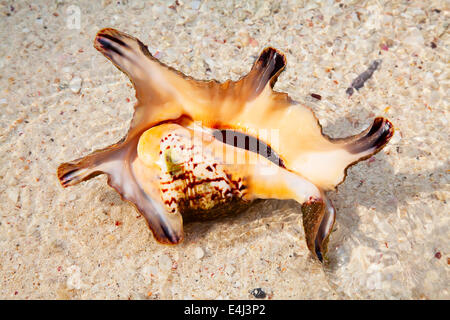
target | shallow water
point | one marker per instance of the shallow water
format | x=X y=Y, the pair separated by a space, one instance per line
x=60 y=99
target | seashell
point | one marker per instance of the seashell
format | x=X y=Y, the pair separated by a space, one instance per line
x=175 y=163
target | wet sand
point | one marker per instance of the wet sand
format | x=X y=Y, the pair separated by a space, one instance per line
x=60 y=99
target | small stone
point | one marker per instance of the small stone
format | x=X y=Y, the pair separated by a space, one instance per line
x=13 y=194
x=138 y=5
x=244 y=37
x=195 y=5
x=38 y=42
x=258 y=293
x=440 y=195
x=165 y=263
x=106 y=3
x=211 y=294
x=67 y=73
x=72 y=197
x=148 y=272
x=158 y=9
x=229 y=269
x=316 y=96
x=396 y=138
x=3 y=102
x=431 y=81
x=253 y=42
x=158 y=55
x=414 y=37
x=74 y=279
x=198 y=253
x=434 y=98
x=75 y=85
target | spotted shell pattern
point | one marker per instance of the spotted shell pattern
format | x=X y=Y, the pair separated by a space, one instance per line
x=191 y=179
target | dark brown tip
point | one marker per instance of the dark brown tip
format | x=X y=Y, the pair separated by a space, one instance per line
x=72 y=173
x=375 y=137
x=108 y=46
x=108 y=41
x=112 y=38
x=265 y=70
x=171 y=236
x=314 y=217
x=271 y=62
x=64 y=174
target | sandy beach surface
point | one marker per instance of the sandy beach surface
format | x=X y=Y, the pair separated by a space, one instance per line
x=60 y=99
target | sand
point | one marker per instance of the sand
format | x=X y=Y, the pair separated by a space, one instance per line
x=60 y=99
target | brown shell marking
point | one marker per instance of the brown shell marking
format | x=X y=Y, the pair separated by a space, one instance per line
x=248 y=105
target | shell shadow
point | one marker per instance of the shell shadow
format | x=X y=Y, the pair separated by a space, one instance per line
x=372 y=184
x=375 y=186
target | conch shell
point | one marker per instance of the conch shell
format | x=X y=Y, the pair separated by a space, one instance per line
x=173 y=163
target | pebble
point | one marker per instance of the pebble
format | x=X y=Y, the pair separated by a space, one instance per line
x=72 y=197
x=75 y=85
x=198 y=253
x=38 y=42
x=138 y=5
x=106 y=3
x=242 y=252
x=158 y=10
x=397 y=137
x=13 y=194
x=244 y=37
x=211 y=294
x=165 y=263
x=148 y=272
x=253 y=42
x=195 y=5
x=229 y=269
x=66 y=70
x=74 y=279
x=431 y=81
x=258 y=293
x=158 y=55
x=414 y=37
x=434 y=98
